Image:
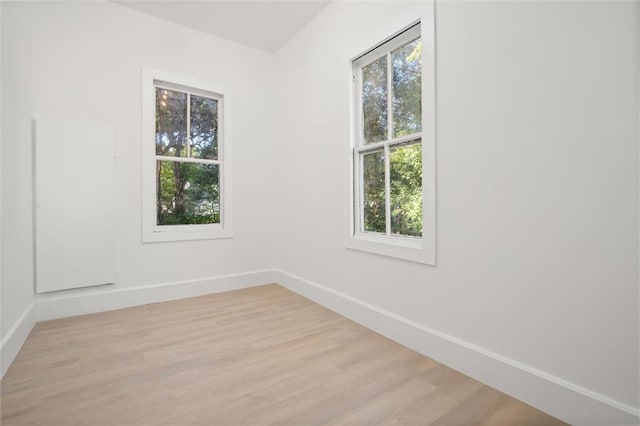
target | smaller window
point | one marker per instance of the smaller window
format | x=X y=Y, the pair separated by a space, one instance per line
x=186 y=153
x=187 y=162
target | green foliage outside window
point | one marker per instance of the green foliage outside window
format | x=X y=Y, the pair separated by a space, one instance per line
x=405 y=160
x=406 y=190
x=188 y=192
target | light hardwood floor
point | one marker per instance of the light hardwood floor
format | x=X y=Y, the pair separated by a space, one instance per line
x=257 y=356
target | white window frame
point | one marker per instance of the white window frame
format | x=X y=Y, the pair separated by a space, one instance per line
x=416 y=249
x=151 y=232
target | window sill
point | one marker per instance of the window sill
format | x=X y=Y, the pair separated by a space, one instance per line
x=405 y=248
x=185 y=233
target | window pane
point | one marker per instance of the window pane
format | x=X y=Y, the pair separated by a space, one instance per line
x=407 y=89
x=171 y=122
x=373 y=192
x=188 y=193
x=374 y=101
x=204 y=127
x=405 y=164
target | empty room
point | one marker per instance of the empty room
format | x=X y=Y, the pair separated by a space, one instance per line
x=345 y=212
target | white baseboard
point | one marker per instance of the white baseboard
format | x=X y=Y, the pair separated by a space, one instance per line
x=13 y=341
x=558 y=397
x=100 y=299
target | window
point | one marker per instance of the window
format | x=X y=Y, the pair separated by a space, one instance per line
x=389 y=148
x=187 y=159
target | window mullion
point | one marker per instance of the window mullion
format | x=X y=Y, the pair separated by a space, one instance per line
x=387 y=190
x=358 y=157
x=220 y=194
x=188 y=125
x=360 y=161
x=387 y=166
x=376 y=146
x=389 y=97
x=406 y=139
x=187 y=160
x=221 y=129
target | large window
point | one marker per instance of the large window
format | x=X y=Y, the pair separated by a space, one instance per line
x=186 y=130
x=387 y=149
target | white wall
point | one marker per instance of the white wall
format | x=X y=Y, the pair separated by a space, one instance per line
x=537 y=182
x=17 y=232
x=82 y=61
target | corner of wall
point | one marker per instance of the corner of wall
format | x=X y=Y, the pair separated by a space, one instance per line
x=16 y=336
x=15 y=224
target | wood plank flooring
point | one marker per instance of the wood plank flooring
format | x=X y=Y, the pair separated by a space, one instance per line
x=258 y=356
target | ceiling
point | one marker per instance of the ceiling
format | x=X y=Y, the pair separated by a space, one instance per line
x=266 y=25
